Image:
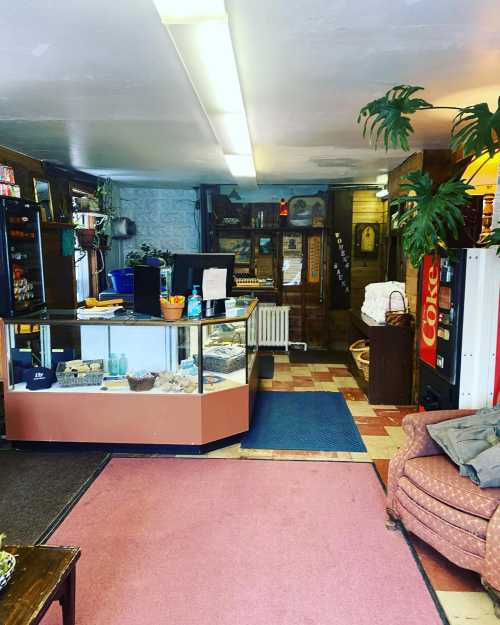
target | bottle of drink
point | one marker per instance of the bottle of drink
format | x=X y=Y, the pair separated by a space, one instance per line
x=122 y=365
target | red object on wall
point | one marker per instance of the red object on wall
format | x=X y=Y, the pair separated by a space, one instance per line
x=429 y=310
x=283 y=207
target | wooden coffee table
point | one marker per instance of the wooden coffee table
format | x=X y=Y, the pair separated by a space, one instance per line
x=42 y=575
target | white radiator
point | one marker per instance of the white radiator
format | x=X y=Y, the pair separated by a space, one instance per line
x=273 y=325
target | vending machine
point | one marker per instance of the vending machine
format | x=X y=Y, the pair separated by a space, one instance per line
x=21 y=268
x=459 y=330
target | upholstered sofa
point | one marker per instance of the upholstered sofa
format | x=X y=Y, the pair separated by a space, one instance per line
x=449 y=512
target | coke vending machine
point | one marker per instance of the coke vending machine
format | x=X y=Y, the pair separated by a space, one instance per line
x=459 y=334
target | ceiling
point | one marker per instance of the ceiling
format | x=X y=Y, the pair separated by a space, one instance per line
x=99 y=85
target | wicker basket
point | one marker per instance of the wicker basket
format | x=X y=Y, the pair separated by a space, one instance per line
x=357 y=348
x=171 y=312
x=143 y=383
x=364 y=363
x=91 y=378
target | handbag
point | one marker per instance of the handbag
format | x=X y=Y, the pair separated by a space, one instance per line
x=401 y=317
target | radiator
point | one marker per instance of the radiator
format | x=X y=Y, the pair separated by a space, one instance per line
x=273 y=325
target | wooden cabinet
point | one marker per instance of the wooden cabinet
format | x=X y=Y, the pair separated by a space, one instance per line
x=391 y=360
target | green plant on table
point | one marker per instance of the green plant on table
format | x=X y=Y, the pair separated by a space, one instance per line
x=429 y=213
x=145 y=251
x=5 y=562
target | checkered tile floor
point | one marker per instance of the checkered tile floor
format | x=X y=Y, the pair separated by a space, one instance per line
x=459 y=591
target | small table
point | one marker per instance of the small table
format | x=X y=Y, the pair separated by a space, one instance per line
x=42 y=575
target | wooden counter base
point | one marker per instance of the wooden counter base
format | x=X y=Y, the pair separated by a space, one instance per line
x=127 y=418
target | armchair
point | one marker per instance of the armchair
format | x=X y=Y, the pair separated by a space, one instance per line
x=428 y=495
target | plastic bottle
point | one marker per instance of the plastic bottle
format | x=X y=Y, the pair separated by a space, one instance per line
x=113 y=364
x=122 y=365
x=194 y=303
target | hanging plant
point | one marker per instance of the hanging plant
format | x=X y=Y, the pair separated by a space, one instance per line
x=428 y=215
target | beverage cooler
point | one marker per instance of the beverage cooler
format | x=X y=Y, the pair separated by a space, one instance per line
x=21 y=268
x=459 y=336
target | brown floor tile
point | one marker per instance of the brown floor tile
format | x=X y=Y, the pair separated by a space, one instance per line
x=302 y=380
x=342 y=372
x=371 y=429
x=443 y=574
x=322 y=376
x=282 y=386
x=382 y=469
x=282 y=366
x=353 y=394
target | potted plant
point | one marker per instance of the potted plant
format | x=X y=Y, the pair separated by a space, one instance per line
x=7 y=564
x=428 y=213
x=146 y=253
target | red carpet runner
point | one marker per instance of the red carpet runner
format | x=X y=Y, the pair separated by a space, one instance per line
x=240 y=542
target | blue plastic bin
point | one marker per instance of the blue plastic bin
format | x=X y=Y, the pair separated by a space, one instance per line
x=122 y=280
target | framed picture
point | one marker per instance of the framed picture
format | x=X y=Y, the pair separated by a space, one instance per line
x=240 y=247
x=265 y=246
x=43 y=197
x=367 y=240
x=307 y=211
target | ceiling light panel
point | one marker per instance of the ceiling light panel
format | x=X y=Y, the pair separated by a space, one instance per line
x=201 y=34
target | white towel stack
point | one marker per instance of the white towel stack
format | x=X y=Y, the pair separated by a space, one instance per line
x=376 y=302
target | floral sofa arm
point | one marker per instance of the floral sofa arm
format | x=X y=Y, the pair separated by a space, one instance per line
x=418 y=443
x=491 y=570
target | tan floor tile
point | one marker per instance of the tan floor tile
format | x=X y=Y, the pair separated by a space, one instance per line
x=360 y=456
x=266 y=384
x=319 y=368
x=347 y=381
x=329 y=386
x=397 y=434
x=380 y=447
x=300 y=370
x=383 y=407
x=259 y=454
x=283 y=376
x=281 y=358
x=233 y=451
x=468 y=608
x=361 y=409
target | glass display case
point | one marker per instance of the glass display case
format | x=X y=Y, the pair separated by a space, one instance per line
x=112 y=355
x=54 y=357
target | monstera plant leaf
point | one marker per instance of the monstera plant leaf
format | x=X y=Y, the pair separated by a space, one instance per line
x=387 y=117
x=494 y=239
x=427 y=216
x=476 y=130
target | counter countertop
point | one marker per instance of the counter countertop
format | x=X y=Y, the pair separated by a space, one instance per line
x=70 y=317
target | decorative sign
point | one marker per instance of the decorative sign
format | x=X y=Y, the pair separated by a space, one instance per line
x=313 y=259
x=367 y=240
x=292 y=259
x=429 y=310
x=292 y=245
x=340 y=246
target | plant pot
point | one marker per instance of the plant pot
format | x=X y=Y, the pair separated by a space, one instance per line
x=5 y=578
x=85 y=237
x=171 y=312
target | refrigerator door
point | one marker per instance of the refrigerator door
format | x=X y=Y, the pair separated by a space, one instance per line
x=22 y=268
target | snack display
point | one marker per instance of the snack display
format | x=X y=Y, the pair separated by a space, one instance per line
x=80 y=373
x=176 y=383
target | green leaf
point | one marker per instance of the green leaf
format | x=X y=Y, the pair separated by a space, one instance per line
x=426 y=216
x=387 y=117
x=476 y=130
x=493 y=239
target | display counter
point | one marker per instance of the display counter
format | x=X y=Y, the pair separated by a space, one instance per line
x=130 y=379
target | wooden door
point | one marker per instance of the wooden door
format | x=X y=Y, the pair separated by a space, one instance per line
x=306 y=297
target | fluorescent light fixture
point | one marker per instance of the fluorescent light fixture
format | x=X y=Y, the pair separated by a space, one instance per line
x=383 y=193
x=190 y=11
x=201 y=34
x=240 y=165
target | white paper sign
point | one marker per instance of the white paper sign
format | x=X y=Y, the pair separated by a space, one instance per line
x=214 y=283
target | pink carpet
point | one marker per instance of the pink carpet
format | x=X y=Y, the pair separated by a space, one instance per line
x=170 y=541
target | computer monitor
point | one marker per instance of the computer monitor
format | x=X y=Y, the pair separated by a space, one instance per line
x=188 y=271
